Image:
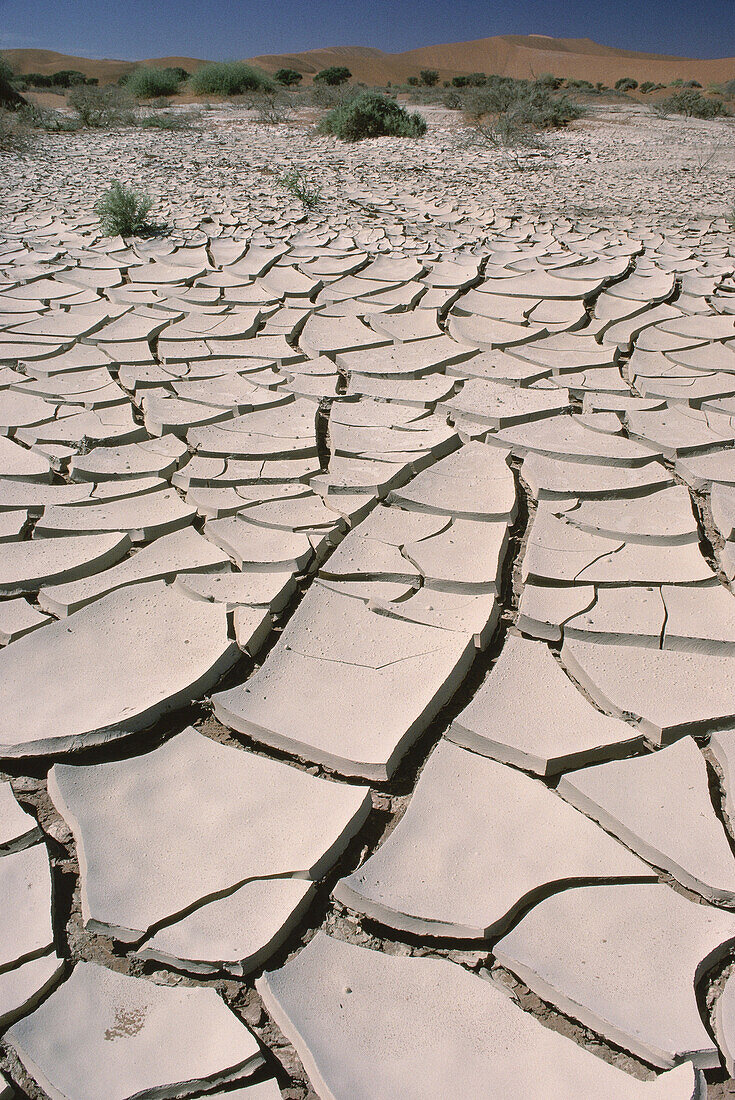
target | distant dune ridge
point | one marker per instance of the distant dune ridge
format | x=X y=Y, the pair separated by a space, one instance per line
x=514 y=55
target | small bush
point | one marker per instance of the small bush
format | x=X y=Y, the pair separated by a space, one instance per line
x=548 y=80
x=148 y=83
x=15 y=135
x=647 y=86
x=50 y=120
x=167 y=120
x=429 y=78
x=524 y=104
x=122 y=211
x=334 y=75
x=371 y=114
x=287 y=77
x=329 y=96
x=101 y=108
x=228 y=78
x=692 y=104
x=270 y=108
x=68 y=78
x=297 y=184
x=626 y=84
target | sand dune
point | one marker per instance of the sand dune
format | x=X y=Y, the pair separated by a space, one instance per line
x=510 y=55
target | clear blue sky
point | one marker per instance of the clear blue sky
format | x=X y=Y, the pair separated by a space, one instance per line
x=221 y=29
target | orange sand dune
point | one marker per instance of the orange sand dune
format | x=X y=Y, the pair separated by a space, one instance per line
x=510 y=55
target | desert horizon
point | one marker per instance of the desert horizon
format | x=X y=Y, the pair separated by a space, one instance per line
x=519 y=56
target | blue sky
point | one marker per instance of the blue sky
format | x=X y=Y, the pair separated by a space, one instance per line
x=221 y=29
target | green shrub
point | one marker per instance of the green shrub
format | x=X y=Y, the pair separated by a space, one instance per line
x=15 y=135
x=101 y=108
x=148 y=83
x=523 y=103
x=122 y=211
x=287 y=77
x=229 y=78
x=548 y=80
x=413 y=82
x=167 y=120
x=429 y=77
x=692 y=104
x=647 y=86
x=297 y=184
x=329 y=96
x=68 y=78
x=335 y=74
x=6 y=69
x=371 y=114
x=50 y=120
x=626 y=84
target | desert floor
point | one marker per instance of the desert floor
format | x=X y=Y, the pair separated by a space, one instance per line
x=367 y=681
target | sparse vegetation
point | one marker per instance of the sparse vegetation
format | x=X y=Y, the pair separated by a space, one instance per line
x=227 y=78
x=372 y=114
x=429 y=77
x=148 y=83
x=626 y=84
x=287 y=77
x=50 y=120
x=297 y=184
x=101 y=108
x=334 y=75
x=270 y=107
x=692 y=104
x=167 y=120
x=510 y=137
x=15 y=133
x=548 y=80
x=521 y=103
x=122 y=211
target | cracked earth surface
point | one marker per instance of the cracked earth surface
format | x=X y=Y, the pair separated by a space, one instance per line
x=367 y=690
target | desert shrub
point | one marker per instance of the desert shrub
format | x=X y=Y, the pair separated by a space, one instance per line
x=68 y=78
x=523 y=103
x=270 y=107
x=692 y=104
x=510 y=137
x=122 y=211
x=728 y=89
x=36 y=80
x=167 y=120
x=334 y=75
x=50 y=120
x=692 y=84
x=626 y=84
x=101 y=108
x=297 y=184
x=548 y=80
x=15 y=133
x=329 y=96
x=413 y=82
x=647 y=86
x=229 y=78
x=371 y=114
x=148 y=83
x=581 y=86
x=429 y=78
x=6 y=69
x=287 y=77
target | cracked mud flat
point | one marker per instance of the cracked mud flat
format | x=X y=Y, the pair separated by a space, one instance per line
x=367 y=690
